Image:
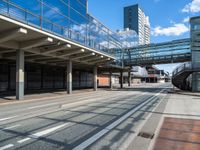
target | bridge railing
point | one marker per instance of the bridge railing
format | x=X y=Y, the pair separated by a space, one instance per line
x=190 y=66
x=182 y=67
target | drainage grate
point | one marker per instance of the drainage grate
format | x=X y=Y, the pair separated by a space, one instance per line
x=146 y=135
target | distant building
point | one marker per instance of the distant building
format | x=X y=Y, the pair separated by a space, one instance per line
x=135 y=19
x=138 y=75
x=156 y=75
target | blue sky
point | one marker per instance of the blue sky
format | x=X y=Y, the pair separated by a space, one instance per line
x=168 y=18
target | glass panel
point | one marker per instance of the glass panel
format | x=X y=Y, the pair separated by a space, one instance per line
x=31 y=5
x=67 y=18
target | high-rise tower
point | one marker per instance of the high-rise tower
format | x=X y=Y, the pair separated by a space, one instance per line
x=135 y=19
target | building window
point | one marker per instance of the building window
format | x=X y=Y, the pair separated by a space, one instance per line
x=130 y=19
x=130 y=26
x=129 y=12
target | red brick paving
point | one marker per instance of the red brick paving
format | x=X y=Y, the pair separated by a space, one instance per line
x=179 y=134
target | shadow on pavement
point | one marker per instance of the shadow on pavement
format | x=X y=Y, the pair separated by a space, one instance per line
x=86 y=122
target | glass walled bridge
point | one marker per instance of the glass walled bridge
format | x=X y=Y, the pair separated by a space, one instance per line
x=162 y=53
x=66 y=19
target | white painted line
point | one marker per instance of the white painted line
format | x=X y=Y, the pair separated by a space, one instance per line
x=40 y=106
x=97 y=136
x=42 y=133
x=6 y=146
x=23 y=140
x=3 y=119
x=11 y=127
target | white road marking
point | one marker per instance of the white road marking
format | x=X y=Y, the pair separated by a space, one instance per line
x=23 y=140
x=101 y=133
x=42 y=133
x=6 y=146
x=3 y=119
x=40 y=106
x=11 y=127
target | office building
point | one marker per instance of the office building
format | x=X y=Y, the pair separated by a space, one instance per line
x=135 y=19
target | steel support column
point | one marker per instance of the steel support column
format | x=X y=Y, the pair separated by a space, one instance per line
x=95 y=78
x=20 y=75
x=129 y=78
x=69 y=76
x=111 y=80
x=121 y=79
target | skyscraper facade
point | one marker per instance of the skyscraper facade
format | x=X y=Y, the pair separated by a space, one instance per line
x=135 y=19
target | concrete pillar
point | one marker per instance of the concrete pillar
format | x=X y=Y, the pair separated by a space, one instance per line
x=195 y=65
x=110 y=80
x=69 y=76
x=121 y=79
x=20 y=75
x=195 y=23
x=196 y=75
x=129 y=78
x=196 y=82
x=95 y=78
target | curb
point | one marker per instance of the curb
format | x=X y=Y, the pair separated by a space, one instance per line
x=180 y=93
x=38 y=99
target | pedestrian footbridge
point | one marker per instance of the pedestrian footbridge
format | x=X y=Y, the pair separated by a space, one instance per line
x=162 y=53
x=186 y=76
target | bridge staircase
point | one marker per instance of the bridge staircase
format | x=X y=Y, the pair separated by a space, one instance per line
x=181 y=74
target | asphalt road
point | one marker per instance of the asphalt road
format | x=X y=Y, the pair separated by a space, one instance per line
x=93 y=120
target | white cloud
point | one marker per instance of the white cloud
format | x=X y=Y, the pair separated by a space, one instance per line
x=193 y=7
x=128 y=38
x=172 y=22
x=175 y=30
x=186 y=19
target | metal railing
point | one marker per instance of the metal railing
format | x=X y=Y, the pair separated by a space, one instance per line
x=182 y=67
x=187 y=66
